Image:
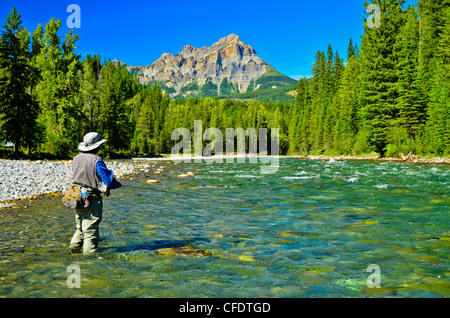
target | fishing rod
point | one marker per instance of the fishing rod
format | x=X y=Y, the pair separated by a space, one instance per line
x=186 y=195
x=180 y=194
x=189 y=196
x=163 y=191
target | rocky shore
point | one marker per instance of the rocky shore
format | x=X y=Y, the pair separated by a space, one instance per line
x=22 y=179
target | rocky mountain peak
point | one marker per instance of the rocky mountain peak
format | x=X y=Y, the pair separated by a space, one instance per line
x=199 y=53
x=188 y=50
x=230 y=39
x=229 y=65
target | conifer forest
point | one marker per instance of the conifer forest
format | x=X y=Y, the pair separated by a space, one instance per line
x=389 y=95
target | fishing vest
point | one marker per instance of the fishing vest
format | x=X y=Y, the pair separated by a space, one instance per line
x=85 y=170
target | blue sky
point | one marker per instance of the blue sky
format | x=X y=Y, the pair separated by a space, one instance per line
x=286 y=34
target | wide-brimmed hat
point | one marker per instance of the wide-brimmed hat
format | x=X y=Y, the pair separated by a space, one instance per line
x=91 y=141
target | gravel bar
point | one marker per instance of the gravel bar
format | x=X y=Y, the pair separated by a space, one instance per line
x=21 y=179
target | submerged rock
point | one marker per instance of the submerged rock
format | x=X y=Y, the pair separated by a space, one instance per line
x=184 y=251
x=184 y=175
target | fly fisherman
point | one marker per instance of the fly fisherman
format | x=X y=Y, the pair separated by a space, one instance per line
x=90 y=172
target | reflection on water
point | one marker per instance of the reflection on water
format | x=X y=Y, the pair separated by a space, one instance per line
x=311 y=230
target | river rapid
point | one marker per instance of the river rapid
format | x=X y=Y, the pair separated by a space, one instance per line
x=312 y=229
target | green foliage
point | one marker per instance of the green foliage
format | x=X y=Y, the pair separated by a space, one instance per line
x=378 y=75
x=89 y=93
x=57 y=91
x=17 y=108
x=192 y=89
x=263 y=86
x=163 y=86
x=399 y=142
x=391 y=96
x=150 y=109
x=273 y=79
x=227 y=88
x=270 y=95
x=208 y=89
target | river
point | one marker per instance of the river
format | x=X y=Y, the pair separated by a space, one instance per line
x=310 y=230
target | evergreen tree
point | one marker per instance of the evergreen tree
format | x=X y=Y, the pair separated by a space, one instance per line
x=17 y=109
x=143 y=137
x=411 y=110
x=392 y=96
x=431 y=19
x=315 y=134
x=438 y=123
x=351 y=50
x=378 y=74
x=298 y=126
x=57 y=92
x=116 y=118
x=338 y=70
x=434 y=73
x=89 y=94
x=346 y=107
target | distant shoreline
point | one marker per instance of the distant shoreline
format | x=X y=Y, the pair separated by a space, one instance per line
x=404 y=158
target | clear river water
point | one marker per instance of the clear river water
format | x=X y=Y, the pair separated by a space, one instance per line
x=310 y=230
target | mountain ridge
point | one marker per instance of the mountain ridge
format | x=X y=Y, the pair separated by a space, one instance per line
x=227 y=67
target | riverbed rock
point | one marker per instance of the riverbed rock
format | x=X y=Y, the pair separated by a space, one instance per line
x=184 y=251
x=184 y=175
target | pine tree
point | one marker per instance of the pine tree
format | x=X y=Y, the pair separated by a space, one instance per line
x=378 y=74
x=116 y=116
x=315 y=125
x=411 y=114
x=434 y=73
x=89 y=94
x=346 y=107
x=17 y=109
x=443 y=51
x=338 y=70
x=432 y=15
x=351 y=50
x=143 y=136
x=304 y=101
x=57 y=92
x=437 y=128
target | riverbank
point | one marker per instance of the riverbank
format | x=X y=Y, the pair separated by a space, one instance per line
x=403 y=158
x=29 y=179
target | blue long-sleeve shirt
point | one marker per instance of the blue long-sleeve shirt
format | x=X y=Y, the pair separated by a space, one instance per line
x=106 y=175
